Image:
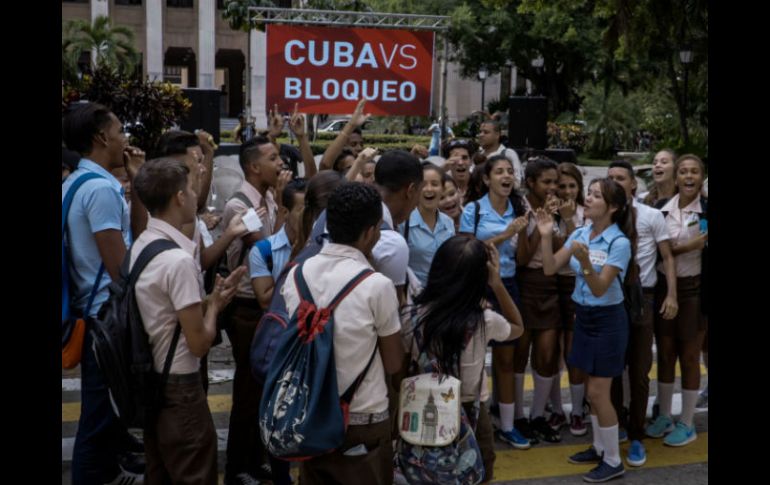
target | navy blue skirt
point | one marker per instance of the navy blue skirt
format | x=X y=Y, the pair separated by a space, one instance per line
x=600 y=340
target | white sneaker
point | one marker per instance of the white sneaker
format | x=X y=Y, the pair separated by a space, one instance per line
x=127 y=478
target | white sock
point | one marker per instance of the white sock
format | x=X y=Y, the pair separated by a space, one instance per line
x=598 y=446
x=626 y=389
x=542 y=390
x=518 y=395
x=577 y=393
x=611 y=445
x=506 y=416
x=689 y=398
x=555 y=395
x=665 y=394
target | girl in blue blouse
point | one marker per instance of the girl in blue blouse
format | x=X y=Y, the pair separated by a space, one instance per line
x=493 y=219
x=427 y=228
x=599 y=253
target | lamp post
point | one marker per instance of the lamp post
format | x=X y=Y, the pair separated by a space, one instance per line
x=685 y=56
x=537 y=63
x=483 y=78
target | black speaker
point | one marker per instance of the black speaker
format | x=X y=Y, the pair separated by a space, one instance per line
x=527 y=122
x=204 y=113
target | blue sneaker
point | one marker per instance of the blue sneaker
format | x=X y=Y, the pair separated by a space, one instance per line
x=659 y=427
x=637 y=456
x=514 y=438
x=681 y=436
x=604 y=472
x=622 y=435
x=588 y=456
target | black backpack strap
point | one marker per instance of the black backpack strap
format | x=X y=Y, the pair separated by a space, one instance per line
x=148 y=253
x=242 y=197
x=476 y=217
x=406 y=230
x=168 y=362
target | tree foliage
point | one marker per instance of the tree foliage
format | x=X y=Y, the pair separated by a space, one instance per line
x=114 y=46
x=146 y=109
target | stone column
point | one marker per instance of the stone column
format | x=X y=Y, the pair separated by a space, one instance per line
x=154 y=55
x=206 y=43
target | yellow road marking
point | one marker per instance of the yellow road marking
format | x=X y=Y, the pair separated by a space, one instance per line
x=551 y=461
x=221 y=403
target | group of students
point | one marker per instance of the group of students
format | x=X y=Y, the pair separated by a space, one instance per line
x=461 y=249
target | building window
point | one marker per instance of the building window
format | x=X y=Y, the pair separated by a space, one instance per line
x=179 y=3
x=128 y=2
x=176 y=75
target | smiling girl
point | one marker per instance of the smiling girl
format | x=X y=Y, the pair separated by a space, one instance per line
x=427 y=228
x=682 y=337
x=494 y=219
x=599 y=253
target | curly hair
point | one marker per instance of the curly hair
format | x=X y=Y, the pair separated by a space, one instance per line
x=352 y=209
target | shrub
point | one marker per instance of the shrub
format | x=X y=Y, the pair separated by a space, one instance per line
x=146 y=108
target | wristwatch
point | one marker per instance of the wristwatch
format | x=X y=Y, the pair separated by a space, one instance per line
x=587 y=271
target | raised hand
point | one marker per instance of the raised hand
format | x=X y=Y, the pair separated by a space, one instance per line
x=567 y=209
x=276 y=122
x=359 y=118
x=544 y=221
x=133 y=159
x=297 y=122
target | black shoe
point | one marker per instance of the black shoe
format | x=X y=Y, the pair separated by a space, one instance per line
x=132 y=462
x=131 y=443
x=241 y=479
x=523 y=427
x=264 y=472
x=543 y=431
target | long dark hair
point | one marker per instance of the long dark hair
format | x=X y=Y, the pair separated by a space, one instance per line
x=624 y=217
x=517 y=200
x=317 y=193
x=451 y=300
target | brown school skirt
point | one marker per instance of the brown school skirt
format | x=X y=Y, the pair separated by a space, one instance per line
x=539 y=299
x=690 y=320
x=566 y=285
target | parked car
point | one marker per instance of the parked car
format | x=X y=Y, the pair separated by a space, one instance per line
x=335 y=126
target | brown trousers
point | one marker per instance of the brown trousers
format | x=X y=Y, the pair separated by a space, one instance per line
x=182 y=448
x=245 y=451
x=373 y=468
x=639 y=362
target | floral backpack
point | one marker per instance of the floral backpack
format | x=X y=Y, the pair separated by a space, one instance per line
x=436 y=440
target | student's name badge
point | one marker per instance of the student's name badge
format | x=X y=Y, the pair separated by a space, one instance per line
x=597 y=257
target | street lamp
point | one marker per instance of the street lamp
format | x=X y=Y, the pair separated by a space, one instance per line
x=537 y=63
x=685 y=56
x=483 y=78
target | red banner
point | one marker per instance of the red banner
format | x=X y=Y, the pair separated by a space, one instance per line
x=327 y=70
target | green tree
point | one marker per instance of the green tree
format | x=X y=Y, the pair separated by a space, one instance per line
x=112 y=46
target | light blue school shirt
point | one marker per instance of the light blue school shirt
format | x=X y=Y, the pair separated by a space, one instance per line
x=619 y=257
x=492 y=224
x=424 y=242
x=281 y=248
x=98 y=205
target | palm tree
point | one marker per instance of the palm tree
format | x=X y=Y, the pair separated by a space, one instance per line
x=110 y=45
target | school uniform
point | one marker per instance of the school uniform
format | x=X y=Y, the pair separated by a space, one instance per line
x=601 y=323
x=182 y=447
x=423 y=241
x=565 y=278
x=683 y=225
